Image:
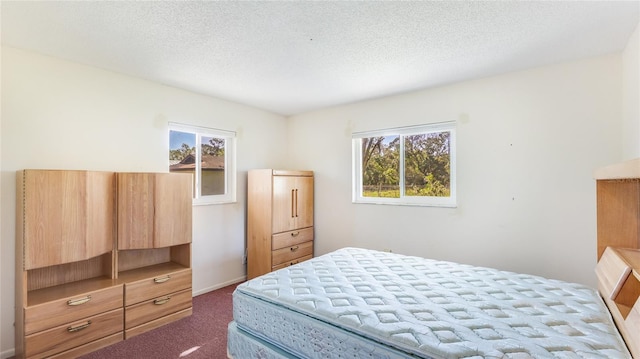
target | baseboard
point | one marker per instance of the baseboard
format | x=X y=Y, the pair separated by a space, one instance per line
x=220 y=285
x=8 y=353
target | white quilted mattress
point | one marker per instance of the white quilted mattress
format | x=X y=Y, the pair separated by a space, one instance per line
x=384 y=305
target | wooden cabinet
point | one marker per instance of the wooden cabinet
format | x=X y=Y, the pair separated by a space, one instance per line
x=618 y=250
x=618 y=211
x=67 y=299
x=154 y=248
x=279 y=219
x=67 y=215
x=292 y=201
x=100 y=257
x=154 y=210
x=618 y=206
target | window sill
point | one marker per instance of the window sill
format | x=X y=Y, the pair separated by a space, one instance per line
x=403 y=203
x=211 y=203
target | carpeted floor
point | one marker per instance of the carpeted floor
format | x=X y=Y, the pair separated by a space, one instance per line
x=202 y=335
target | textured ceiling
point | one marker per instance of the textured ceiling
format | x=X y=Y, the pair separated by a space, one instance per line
x=294 y=57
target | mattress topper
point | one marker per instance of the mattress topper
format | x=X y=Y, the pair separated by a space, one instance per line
x=442 y=309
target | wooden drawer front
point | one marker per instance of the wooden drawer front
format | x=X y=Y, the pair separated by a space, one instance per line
x=612 y=271
x=287 y=254
x=89 y=347
x=69 y=309
x=130 y=333
x=153 y=287
x=152 y=309
x=73 y=334
x=288 y=239
x=291 y=262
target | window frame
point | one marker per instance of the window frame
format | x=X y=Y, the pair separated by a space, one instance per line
x=426 y=201
x=229 y=162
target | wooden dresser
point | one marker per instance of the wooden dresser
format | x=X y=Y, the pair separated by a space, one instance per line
x=154 y=248
x=76 y=290
x=279 y=219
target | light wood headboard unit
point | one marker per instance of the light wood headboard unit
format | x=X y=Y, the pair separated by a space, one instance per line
x=618 y=251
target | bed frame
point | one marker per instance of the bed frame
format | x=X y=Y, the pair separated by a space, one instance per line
x=618 y=268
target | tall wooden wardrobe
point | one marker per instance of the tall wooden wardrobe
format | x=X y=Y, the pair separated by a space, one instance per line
x=100 y=257
x=279 y=219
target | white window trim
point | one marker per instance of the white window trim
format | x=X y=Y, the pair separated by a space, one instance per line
x=357 y=137
x=229 y=164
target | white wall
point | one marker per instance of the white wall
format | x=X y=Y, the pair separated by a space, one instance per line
x=528 y=143
x=631 y=97
x=61 y=115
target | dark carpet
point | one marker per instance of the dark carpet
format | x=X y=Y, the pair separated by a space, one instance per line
x=202 y=335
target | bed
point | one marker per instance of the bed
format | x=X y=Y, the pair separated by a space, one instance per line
x=362 y=303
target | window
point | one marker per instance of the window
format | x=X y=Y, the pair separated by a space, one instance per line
x=209 y=155
x=406 y=166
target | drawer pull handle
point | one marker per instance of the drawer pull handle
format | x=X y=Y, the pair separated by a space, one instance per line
x=293 y=249
x=79 y=301
x=79 y=327
x=161 y=301
x=294 y=234
x=161 y=280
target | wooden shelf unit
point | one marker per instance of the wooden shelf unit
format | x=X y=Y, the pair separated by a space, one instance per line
x=154 y=248
x=618 y=205
x=618 y=248
x=71 y=278
x=65 y=262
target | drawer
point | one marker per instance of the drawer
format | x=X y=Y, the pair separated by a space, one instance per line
x=287 y=254
x=39 y=317
x=612 y=271
x=89 y=347
x=288 y=239
x=141 y=313
x=130 y=333
x=73 y=334
x=153 y=287
x=291 y=262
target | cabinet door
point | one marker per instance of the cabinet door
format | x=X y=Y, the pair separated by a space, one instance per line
x=283 y=203
x=173 y=204
x=154 y=210
x=54 y=217
x=135 y=210
x=304 y=202
x=292 y=203
x=101 y=202
x=67 y=216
